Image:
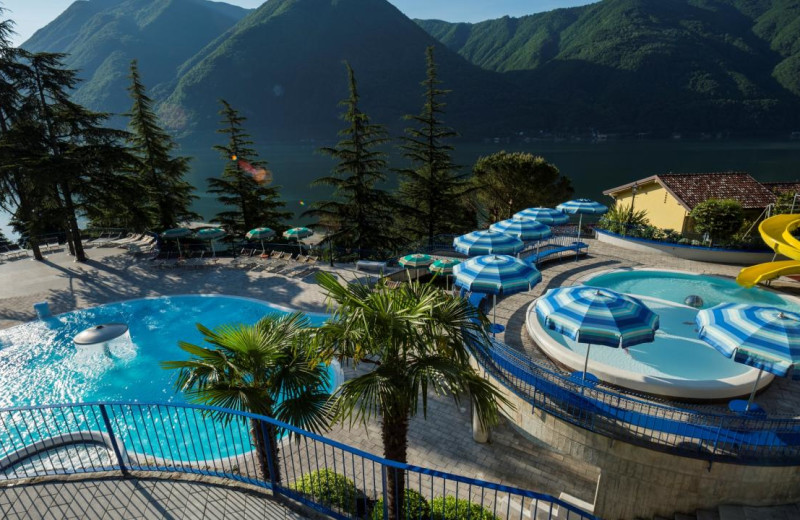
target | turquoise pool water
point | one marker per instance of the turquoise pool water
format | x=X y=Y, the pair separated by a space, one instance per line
x=675 y=287
x=39 y=364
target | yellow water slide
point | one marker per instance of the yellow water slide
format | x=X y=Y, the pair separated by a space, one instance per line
x=777 y=233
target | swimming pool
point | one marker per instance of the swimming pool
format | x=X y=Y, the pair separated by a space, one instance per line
x=675 y=286
x=676 y=364
x=39 y=364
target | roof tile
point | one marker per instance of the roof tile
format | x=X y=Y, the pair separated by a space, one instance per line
x=694 y=188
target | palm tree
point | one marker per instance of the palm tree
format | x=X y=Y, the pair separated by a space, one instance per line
x=416 y=337
x=269 y=368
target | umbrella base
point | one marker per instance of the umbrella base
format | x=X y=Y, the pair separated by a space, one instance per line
x=495 y=328
x=739 y=406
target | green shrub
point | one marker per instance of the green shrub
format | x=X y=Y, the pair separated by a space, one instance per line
x=416 y=507
x=448 y=508
x=719 y=219
x=330 y=489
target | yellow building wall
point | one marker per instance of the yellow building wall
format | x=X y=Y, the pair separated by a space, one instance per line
x=663 y=210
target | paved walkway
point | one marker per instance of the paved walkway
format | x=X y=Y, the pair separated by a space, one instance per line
x=132 y=499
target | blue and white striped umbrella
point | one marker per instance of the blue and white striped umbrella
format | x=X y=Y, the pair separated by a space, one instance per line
x=582 y=207
x=487 y=243
x=496 y=274
x=766 y=338
x=549 y=216
x=523 y=228
x=597 y=317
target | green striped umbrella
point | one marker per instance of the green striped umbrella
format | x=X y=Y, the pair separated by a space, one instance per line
x=415 y=261
x=444 y=266
x=260 y=234
x=211 y=234
x=298 y=233
x=177 y=234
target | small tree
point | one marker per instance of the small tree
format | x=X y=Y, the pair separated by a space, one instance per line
x=510 y=182
x=252 y=203
x=268 y=369
x=785 y=203
x=719 y=218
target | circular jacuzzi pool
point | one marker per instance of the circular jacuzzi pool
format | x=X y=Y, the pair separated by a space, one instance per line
x=676 y=364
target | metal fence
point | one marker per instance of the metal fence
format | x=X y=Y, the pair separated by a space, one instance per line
x=328 y=476
x=744 y=439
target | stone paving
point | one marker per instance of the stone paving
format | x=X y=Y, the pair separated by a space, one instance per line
x=138 y=498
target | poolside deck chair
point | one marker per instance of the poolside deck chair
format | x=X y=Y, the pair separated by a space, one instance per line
x=127 y=239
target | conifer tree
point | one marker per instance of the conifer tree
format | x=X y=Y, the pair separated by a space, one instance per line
x=252 y=201
x=167 y=195
x=432 y=194
x=360 y=212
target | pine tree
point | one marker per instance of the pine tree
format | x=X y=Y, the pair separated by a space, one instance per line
x=167 y=195
x=254 y=203
x=359 y=212
x=432 y=195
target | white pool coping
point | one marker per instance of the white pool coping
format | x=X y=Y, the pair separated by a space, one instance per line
x=700 y=389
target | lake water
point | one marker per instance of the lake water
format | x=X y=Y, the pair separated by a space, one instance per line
x=593 y=167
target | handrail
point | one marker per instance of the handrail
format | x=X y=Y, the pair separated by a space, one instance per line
x=109 y=436
x=706 y=435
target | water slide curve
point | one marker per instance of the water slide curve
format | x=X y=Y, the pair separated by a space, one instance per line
x=777 y=234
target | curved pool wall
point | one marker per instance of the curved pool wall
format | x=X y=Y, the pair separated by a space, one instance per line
x=671 y=366
x=40 y=365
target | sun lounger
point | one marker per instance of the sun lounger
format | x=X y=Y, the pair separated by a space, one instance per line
x=127 y=239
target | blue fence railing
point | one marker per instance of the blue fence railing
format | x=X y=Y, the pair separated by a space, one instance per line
x=328 y=476
x=744 y=439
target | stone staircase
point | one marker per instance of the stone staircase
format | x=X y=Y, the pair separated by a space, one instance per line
x=787 y=512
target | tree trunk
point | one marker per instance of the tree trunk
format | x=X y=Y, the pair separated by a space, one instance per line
x=262 y=434
x=72 y=222
x=394 y=433
x=37 y=251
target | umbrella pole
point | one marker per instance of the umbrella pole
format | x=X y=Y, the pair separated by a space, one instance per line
x=180 y=254
x=213 y=251
x=580 y=223
x=585 y=367
x=494 y=314
x=263 y=249
x=753 y=393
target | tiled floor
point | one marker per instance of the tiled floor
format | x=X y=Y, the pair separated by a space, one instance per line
x=132 y=499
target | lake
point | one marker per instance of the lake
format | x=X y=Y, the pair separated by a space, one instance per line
x=593 y=167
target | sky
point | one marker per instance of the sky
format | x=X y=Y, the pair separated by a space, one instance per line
x=30 y=15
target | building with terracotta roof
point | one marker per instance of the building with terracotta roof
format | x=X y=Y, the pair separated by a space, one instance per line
x=669 y=198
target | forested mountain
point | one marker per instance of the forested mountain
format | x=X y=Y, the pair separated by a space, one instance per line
x=649 y=64
x=282 y=66
x=632 y=66
x=103 y=36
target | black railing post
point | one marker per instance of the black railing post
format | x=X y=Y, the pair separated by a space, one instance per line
x=270 y=461
x=113 y=438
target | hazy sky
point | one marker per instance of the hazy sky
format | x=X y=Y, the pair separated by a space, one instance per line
x=31 y=15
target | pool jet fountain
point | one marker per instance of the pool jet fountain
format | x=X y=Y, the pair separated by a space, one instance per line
x=108 y=337
x=694 y=301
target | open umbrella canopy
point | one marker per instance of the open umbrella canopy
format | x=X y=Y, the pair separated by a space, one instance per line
x=582 y=207
x=176 y=233
x=487 y=243
x=416 y=260
x=261 y=233
x=523 y=228
x=211 y=234
x=496 y=274
x=444 y=265
x=597 y=316
x=297 y=233
x=766 y=338
x=547 y=216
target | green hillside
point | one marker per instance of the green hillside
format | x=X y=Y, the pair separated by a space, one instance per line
x=282 y=67
x=650 y=65
x=103 y=36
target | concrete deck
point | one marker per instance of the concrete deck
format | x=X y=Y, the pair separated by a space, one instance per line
x=135 y=498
